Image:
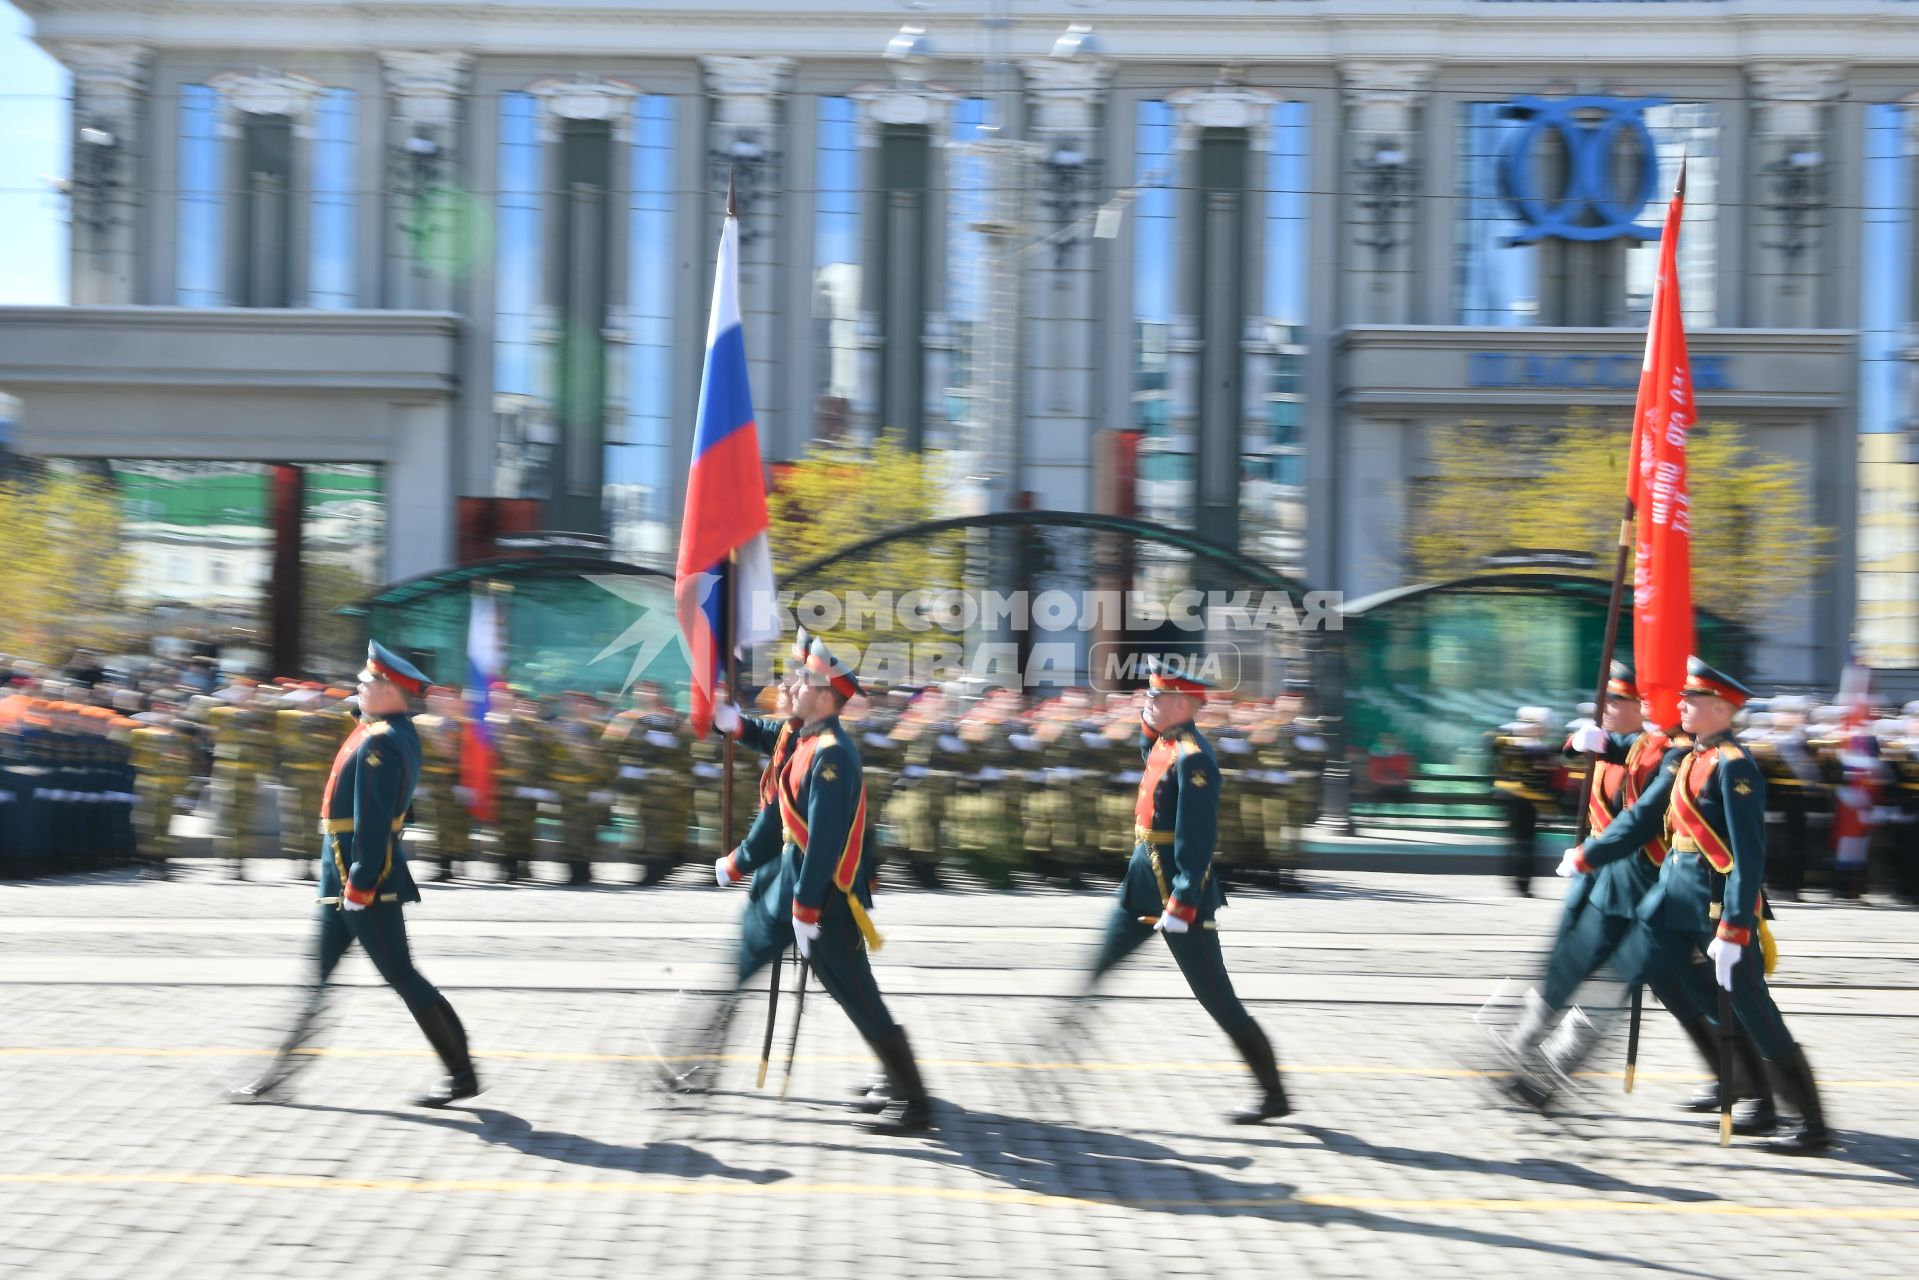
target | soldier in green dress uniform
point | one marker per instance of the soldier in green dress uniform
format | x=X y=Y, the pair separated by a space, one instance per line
x=365 y=881
x=1169 y=886
x=813 y=882
x=1712 y=810
x=1601 y=911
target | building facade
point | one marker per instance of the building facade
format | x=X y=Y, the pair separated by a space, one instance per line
x=1251 y=256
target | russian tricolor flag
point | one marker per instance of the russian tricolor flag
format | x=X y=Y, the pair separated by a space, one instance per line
x=484 y=667
x=723 y=585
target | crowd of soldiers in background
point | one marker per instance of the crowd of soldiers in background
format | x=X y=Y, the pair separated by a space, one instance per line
x=980 y=779
x=97 y=766
x=1842 y=790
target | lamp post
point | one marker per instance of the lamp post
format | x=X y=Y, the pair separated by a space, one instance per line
x=96 y=177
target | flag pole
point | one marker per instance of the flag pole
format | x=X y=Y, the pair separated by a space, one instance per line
x=727 y=632
x=1613 y=605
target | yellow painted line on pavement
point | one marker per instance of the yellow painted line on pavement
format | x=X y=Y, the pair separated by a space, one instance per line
x=969 y=1195
x=987 y=1064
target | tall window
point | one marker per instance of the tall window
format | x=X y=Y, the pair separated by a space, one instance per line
x=1505 y=277
x=1165 y=463
x=520 y=396
x=330 y=269
x=967 y=265
x=1272 y=470
x=639 y=467
x=343 y=553
x=200 y=259
x=1888 y=565
x=836 y=267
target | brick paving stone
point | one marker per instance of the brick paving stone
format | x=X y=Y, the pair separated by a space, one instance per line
x=119 y=1162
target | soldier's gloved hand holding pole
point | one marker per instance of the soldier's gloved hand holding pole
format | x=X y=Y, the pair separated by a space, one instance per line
x=805 y=934
x=726 y=717
x=1588 y=740
x=1725 y=957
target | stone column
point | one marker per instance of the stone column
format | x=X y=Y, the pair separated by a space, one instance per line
x=1383 y=101
x=104 y=199
x=1065 y=96
x=1791 y=219
x=424 y=165
x=895 y=277
x=745 y=141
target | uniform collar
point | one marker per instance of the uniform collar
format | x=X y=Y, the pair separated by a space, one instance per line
x=1712 y=740
x=808 y=731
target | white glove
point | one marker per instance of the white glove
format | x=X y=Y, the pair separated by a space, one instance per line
x=804 y=935
x=1724 y=955
x=726 y=718
x=348 y=904
x=1149 y=715
x=1170 y=923
x=723 y=872
x=1569 y=864
x=1589 y=739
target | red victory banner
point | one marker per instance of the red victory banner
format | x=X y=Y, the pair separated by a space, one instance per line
x=1656 y=490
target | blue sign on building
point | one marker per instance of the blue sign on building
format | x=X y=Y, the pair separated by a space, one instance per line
x=1590 y=206
x=1616 y=371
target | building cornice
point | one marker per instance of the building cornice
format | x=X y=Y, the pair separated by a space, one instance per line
x=1283 y=32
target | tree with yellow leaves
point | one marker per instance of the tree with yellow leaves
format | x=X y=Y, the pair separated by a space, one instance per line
x=62 y=567
x=1499 y=488
x=843 y=493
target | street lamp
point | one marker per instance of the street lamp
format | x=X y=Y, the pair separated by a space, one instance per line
x=1798 y=183
x=416 y=182
x=1385 y=187
x=96 y=165
x=751 y=166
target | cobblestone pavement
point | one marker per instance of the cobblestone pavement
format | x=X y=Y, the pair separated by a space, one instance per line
x=124 y=1005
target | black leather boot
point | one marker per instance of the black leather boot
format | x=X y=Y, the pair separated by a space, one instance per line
x=1753 y=1111
x=872 y=1094
x=907 y=1110
x=448 y=1038
x=1704 y=1039
x=579 y=872
x=270 y=1085
x=695 y=1062
x=1810 y=1137
x=1258 y=1052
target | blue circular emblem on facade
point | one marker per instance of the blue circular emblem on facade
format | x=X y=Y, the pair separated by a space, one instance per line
x=1591 y=206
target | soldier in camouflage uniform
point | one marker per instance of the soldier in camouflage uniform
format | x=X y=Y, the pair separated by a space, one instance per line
x=581 y=776
x=441 y=801
x=656 y=768
x=307 y=737
x=162 y=767
x=521 y=781
x=1523 y=768
x=243 y=754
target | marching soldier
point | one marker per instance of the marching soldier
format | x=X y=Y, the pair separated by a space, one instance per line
x=1601 y=910
x=1169 y=886
x=365 y=880
x=1713 y=809
x=815 y=888
x=441 y=797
